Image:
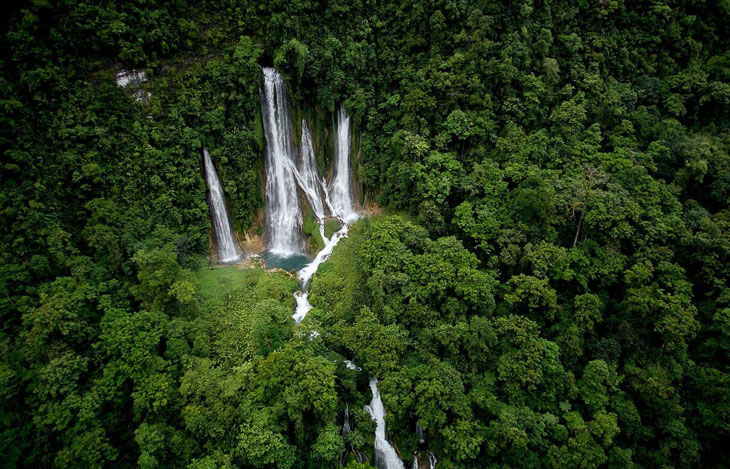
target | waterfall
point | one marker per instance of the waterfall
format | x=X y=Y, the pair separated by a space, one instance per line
x=347 y=425
x=421 y=444
x=419 y=432
x=311 y=183
x=309 y=179
x=283 y=216
x=340 y=189
x=285 y=173
x=385 y=455
x=431 y=460
x=227 y=248
x=307 y=175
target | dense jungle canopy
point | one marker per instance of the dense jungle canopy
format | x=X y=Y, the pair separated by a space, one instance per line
x=542 y=279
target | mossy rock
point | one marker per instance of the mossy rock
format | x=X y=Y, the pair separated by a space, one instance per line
x=331 y=226
x=311 y=231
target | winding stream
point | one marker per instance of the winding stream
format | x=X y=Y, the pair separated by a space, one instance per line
x=287 y=174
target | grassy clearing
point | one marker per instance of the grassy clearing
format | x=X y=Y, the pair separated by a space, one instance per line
x=247 y=312
x=226 y=285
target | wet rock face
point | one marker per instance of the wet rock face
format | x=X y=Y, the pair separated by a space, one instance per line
x=131 y=78
x=142 y=96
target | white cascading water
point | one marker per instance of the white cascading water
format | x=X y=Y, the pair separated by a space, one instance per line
x=305 y=275
x=421 y=442
x=340 y=204
x=307 y=175
x=340 y=188
x=283 y=216
x=227 y=247
x=385 y=455
x=346 y=425
x=431 y=461
x=309 y=179
x=284 y=173
x=419 y=433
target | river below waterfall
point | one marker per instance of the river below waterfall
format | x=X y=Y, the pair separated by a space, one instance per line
x=293 y=180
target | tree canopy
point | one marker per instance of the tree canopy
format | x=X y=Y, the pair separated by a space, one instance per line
x=546 y=285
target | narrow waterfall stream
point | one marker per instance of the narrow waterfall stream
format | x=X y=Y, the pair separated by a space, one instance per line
x=421 y=444
x=309 y=179
x=431 y=461
x=305 y=275
x=340 y=189
x=385 y=455
x=307 y=175
x=225 y=241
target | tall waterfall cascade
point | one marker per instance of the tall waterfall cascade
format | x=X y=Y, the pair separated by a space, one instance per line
x=385 y=455
x=291 y=168
x=225 y=240
x=313 y=185
x=340 y=189
x=283 y=214
x=307 y=175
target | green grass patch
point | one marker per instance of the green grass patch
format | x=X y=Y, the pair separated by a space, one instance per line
x=219 y=286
